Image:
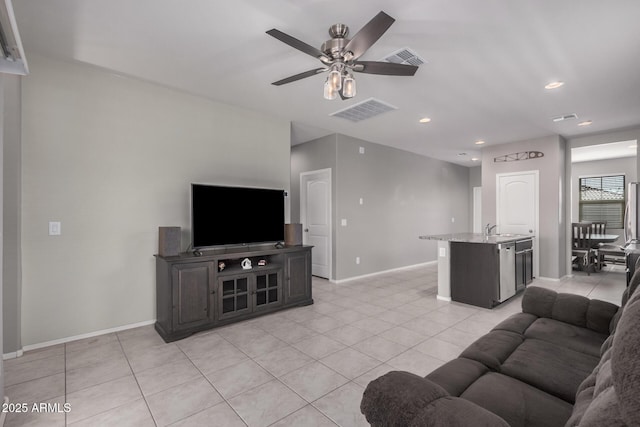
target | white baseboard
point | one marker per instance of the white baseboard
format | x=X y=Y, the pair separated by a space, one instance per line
x=377 y=273
x=87 y=335
x=553 y=279
x=13 y=355
x=443 y=298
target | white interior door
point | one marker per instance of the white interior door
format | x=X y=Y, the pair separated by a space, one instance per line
x=517 y=207
x=315 y=215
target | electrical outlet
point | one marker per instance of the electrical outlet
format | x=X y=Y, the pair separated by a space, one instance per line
x=343 y=222
x=361 y=150
x=361 y=201
x=453 y=219
x=357 y=260
x=442 y=252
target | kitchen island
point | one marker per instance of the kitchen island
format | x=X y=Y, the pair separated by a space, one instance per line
x=482 y=270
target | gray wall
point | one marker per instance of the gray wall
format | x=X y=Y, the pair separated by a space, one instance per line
x=552 y=232
x=405 y=195
x=112 y=159
x=12 y=244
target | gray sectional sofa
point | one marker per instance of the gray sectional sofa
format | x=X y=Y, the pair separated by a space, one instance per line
x=564 y=361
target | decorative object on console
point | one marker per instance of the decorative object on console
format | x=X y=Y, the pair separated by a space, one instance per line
x=293 y=234
x=169 y=241
x=523 y=155
x=221 y=266
x=246 y=264
x=262 y=262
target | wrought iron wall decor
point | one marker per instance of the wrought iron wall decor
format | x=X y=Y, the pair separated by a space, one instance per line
x=523 y=155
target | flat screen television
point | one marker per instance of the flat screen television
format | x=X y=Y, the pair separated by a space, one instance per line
x=235 y=215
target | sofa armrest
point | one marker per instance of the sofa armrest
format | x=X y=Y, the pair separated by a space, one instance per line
x=404 y=399
x=569 y=308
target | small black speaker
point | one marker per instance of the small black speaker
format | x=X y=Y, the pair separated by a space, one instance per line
x=169 y=241
x=293 y=234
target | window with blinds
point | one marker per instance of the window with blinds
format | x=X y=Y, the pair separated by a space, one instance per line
x=602 y=198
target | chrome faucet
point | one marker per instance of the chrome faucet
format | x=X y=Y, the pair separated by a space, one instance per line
x=488 y=228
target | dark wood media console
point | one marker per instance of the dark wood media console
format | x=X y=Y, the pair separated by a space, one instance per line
x=193 y=293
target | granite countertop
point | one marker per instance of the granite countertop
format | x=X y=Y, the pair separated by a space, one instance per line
x=477 y=237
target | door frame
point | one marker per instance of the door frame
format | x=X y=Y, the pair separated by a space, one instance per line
x=322 y=174
x=476 y=221
x=536 y=212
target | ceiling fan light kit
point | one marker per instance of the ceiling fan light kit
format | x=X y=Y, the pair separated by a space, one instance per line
x=339 y=56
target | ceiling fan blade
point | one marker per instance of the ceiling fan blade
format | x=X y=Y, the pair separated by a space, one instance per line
x=299 y=76
x=385 y=68
x=296 y=44
x=369 y=34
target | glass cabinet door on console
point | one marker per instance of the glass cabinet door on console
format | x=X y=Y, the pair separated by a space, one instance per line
x=233 y=298
x=268 y=290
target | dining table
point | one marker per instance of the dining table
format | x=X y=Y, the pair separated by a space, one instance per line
x=596 y=239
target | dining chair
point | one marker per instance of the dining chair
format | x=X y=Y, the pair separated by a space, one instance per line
x=581 y=245
x=610 y=253
x=598 y=227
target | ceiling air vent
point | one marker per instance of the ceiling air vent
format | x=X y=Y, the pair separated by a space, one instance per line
x=364 y=110
x=565 y=117
x=404 y=56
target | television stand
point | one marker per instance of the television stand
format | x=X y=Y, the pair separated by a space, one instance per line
x=198 y=292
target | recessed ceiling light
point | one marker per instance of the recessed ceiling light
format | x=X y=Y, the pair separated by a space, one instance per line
x=479 y=142
x=633 y=146
x=585 y=123
x=553 y=85
x=474 y=159
x=425 y=120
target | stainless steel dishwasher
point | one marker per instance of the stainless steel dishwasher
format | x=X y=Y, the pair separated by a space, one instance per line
x=507 y=254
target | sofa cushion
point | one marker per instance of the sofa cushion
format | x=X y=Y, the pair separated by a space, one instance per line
x=517 y=323
x=457 y=375
x=573 y=309
x=454 y=412
x=550 y=367
x=519 y=404
x=567 y=335
x=493 y=348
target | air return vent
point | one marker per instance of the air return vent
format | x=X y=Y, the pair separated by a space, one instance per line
x=404 y=56
x=364 y=110
x=571 y=116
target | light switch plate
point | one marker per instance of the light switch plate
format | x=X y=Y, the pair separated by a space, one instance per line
x=55 y=228
x=443 y=252
x=343 y=222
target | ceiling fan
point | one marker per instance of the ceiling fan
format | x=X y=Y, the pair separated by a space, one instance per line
x=339 y=55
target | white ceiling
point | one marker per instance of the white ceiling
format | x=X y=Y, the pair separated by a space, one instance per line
x=488 y=62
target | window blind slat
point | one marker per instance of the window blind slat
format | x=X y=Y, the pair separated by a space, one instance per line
x=602 y=199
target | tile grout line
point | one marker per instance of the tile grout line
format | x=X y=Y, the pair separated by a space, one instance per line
x=136 y=380
x=224 y=399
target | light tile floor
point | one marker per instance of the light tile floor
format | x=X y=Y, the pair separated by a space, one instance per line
x=305 y=366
